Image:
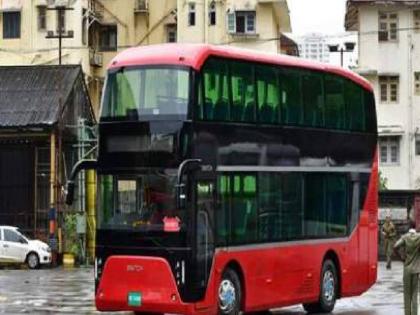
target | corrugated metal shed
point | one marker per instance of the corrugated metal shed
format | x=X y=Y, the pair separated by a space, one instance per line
x=31 y=96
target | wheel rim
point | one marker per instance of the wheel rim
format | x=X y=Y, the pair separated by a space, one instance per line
x=329 y=286
x=32 y=261
x=227 y=296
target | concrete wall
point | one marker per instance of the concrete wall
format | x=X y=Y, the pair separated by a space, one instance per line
x=266 y=24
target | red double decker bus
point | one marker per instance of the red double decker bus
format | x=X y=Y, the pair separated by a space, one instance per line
x=231 y=180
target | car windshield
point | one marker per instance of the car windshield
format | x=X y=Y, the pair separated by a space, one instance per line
x=23 y=235
x=142 y=202
x=146 y=94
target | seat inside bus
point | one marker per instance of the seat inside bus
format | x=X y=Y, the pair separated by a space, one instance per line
x=221 y=110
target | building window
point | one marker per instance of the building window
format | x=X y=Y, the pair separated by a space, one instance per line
x=84 y=26
x=171 y=33
x=389 y=148
x=11 y=25
x=388 y=86
x=42 y=18
x=212 y=13
x=241 y=22
x=388 y=26
x=417 y=144
x=108 y=38
x=61 y=21
x=191 y=14
x=416 y=14
x=417 y=82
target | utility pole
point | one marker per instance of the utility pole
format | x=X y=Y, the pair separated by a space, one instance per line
x=61 y=11
x=55 y=150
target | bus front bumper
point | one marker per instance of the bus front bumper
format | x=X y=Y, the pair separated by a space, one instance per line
x=139 y=283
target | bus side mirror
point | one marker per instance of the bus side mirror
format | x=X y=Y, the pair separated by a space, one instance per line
x=70 y=192
x=181 y=197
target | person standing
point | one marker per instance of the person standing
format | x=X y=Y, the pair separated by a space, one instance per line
x=410 y=243
x=389 y=233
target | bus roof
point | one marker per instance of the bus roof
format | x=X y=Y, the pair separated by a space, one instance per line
x=194 y=55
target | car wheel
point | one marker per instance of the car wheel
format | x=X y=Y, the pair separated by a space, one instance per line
x=229 y=293
x=33 y=261
x=329 y=289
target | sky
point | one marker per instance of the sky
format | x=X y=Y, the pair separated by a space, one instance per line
x=320 y=16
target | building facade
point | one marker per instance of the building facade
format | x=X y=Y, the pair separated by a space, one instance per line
x=252 y=24
x=389 y=57
x=314 y=46
x=98 y=30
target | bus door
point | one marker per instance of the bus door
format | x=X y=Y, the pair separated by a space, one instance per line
x=204 y=191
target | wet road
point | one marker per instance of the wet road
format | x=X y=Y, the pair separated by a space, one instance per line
x=60 y=291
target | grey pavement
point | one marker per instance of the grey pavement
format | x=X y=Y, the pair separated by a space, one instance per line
x=70 y=291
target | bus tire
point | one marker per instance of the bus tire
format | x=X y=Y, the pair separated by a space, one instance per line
x=229 y=293
x=329 y=290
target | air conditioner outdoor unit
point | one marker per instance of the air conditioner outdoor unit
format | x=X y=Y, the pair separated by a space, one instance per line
x=141 y=6
x=96 y=59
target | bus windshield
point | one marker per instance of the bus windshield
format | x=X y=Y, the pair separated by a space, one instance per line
x=142 y=202
x=146 y=93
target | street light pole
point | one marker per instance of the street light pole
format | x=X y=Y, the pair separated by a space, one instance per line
x=348 y=47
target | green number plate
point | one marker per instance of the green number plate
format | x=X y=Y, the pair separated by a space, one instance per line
x=134 y=299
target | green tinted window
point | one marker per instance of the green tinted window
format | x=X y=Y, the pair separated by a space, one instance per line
x=223 y=209
x=313 y=99
x=280 y=206
x=216 y=96
x=337 y=213
x=334 y=102
x=355 y=114
x=269 y=205
x=370 y=112
x=292 y=206
x=291 y=96
x=243 y=92
x=268 y=94
x=315 y=210
x=244 y=210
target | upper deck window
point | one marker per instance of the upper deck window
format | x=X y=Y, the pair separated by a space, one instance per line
x=240 y=91
x=146 y=93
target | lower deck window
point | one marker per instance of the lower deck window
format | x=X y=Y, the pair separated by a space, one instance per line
x=267 y=207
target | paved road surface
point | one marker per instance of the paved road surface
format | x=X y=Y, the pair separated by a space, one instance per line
x=60 y=291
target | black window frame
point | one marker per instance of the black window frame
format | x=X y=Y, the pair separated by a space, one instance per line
x=12 y=31
x=105 y=39
x=42 y=17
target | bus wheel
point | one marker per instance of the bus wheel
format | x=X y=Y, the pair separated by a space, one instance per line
x=229 y=293
x=329 y=289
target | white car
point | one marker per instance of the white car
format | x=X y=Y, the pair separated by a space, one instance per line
x=17 y=248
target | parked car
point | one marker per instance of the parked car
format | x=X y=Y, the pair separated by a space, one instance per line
x=17 y=248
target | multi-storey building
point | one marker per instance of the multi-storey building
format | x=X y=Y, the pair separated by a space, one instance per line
x=98 y=29
x=314 y=46
x=254 y=24
x=389 y=50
